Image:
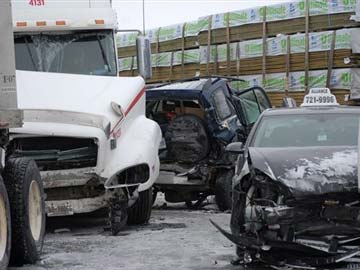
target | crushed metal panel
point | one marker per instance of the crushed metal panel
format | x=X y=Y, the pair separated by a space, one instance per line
x=66 y=178
x=70 y=207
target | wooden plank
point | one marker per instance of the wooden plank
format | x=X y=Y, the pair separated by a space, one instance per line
x=208 y=45
x=228 y=44
x=264 y=44
x=307 y=44
x=287 y=67
x=331 y=59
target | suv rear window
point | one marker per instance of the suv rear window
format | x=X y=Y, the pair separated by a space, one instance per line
x=222 y=108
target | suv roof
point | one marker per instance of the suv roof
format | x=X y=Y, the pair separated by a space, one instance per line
x=195 y=83
x=188 y=85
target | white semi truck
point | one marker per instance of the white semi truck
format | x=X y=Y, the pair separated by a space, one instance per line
x=83 y=125
x=22 y=208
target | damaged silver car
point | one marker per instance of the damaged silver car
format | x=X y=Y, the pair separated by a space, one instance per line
x=296 y=200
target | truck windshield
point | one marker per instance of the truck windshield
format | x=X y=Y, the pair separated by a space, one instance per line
x=85 y=52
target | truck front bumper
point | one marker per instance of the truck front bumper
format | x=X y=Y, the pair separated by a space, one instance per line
x=71 y=207
x=74 y=191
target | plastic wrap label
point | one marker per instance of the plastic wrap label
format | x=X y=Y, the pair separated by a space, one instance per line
x=340 y=79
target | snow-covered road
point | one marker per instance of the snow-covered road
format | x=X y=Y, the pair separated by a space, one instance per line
x=176 y=238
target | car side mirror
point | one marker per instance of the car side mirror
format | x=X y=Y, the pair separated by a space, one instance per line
x=143 y=49
x=235 y=148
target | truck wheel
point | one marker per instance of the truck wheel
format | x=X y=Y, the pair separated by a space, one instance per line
x=140 y=212
x=223 y=190
x=27 y=204
x=5 y=227
x=117 y=215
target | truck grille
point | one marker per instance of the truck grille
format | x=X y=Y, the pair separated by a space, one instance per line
x=56 y=153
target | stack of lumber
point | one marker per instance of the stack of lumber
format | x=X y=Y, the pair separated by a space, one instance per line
x=276 y=64
x=282 y=48
x=291 y=26
x=277 y=98
x=166 y=46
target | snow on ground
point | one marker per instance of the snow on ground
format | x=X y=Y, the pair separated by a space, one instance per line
x=176 y=238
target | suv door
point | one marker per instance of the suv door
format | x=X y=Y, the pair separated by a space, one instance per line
x=250 y=104
x=221 y=115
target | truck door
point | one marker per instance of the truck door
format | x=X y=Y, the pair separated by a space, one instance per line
x=221 y=115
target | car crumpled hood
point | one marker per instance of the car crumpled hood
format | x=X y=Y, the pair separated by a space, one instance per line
x=309 y=170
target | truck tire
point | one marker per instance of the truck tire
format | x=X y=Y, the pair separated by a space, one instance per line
x=140 y=212
x=187 y=139
x=5 y=227
x=117 y=215
x=27 y=204
x=223 y=190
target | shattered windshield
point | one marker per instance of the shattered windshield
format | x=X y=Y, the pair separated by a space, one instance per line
x=307 y=130
x=85 y=52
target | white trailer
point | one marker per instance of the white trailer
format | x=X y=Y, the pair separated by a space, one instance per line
x=85 y=126
x=22 y=208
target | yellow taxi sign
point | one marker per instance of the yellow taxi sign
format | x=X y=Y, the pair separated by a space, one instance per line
x=319 y=97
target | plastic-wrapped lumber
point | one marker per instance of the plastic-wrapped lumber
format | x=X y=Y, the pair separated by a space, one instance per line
x=164 y=39
x=285 y=18
x=276 y=84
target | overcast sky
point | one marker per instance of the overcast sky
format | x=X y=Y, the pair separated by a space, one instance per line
x=166 y=12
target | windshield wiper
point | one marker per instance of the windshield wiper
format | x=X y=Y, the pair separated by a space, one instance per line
x=30 y=54
x=106 y=61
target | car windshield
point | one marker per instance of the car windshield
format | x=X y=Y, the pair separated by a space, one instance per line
x=307 y=130
x=85 y=52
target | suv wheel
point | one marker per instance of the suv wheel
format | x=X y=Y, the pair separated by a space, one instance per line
x=140 y=212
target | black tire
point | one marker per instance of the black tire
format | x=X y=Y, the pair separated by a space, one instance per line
x=140 y=212
x=23 y=182
x=187 y=139
x=117 y=216
x=223 y=190
x=5 y=247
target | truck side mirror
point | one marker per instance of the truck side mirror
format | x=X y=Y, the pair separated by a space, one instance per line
x=143 y=49
x=235 y=148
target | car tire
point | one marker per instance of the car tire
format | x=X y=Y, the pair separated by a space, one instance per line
x=5 y=227
x=140 y=212
x=223 y=190
x=27 y=205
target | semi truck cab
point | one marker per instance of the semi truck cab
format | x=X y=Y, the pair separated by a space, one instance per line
x=83 y=125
